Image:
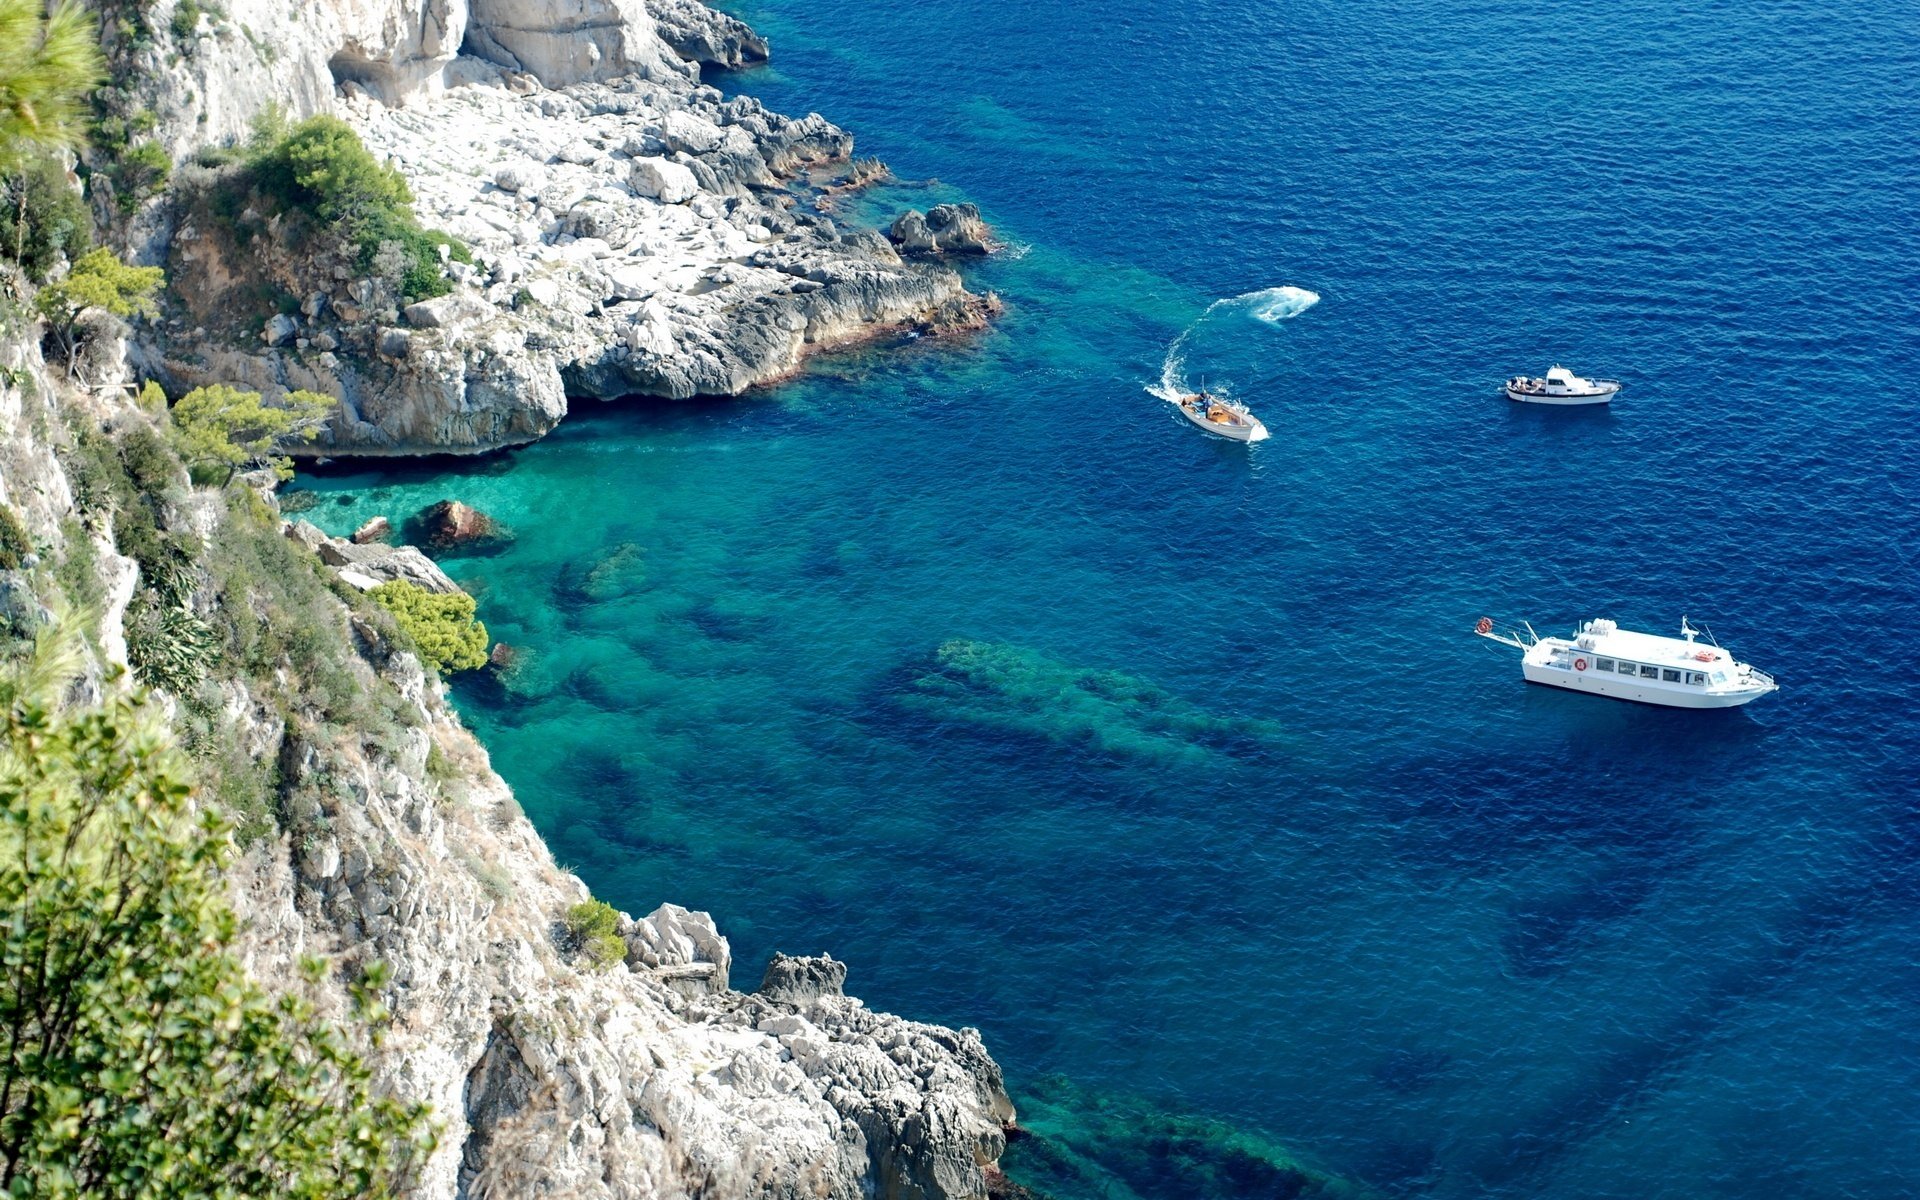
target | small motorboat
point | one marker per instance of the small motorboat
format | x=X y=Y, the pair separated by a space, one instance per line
x=1218 y=415
x=1561 y=386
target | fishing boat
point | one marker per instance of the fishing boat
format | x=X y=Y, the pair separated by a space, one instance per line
x=1605 y=660
x=1218 y=415
x=1561 y=386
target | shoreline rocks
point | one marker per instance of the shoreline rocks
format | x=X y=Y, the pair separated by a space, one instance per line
x=943 y=229
x=630 y=236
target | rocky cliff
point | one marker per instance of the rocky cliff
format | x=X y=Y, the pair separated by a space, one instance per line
x=633 y=232
x=388 y=837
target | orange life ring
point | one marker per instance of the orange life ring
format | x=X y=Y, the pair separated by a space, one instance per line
x=1579 y=664
x=1704 y=656
x=1485 y=625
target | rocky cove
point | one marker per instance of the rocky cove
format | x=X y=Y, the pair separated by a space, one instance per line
x=630 y=232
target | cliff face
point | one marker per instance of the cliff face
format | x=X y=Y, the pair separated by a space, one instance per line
x=392 y=839
x=632 y=231
x=632 y=234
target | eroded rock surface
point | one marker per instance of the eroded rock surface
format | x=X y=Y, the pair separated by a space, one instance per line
x=943 y=229
x=632 y=229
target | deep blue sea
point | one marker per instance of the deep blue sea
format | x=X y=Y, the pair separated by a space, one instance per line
x=1171 y=763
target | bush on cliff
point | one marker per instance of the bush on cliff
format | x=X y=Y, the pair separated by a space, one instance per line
x=594 y=928
x=98 y=280
x=441 y=627
x=222 y=429
x=321 y=167
x=42 y=218
x=139 y=1059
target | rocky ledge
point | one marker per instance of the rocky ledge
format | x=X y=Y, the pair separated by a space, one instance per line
x=637 y=236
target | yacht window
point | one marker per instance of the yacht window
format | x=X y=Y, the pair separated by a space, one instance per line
x=1670 y=675
x=1719 y=677
x=1649 y=672
x=1603 y=664
x=1626 y=668
x=1696 y=678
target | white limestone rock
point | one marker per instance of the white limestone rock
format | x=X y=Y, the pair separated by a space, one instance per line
x=663 y=180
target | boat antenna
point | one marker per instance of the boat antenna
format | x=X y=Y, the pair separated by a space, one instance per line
x=1687 y=631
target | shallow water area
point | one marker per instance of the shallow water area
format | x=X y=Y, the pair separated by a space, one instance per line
x=1170 y=762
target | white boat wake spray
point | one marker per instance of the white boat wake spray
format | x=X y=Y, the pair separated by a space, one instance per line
x=1267 y=305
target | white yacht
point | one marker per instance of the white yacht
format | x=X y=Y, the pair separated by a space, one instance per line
x=1606 y=660
x=1218 y=415
x=1561 y=386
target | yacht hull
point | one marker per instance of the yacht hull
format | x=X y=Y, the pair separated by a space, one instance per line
x=1620 y=687
x=1598 y=396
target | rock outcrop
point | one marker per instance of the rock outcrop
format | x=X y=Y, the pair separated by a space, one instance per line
x=943 y=229
x=631 y=228
x=450 y=526
x=367 y=565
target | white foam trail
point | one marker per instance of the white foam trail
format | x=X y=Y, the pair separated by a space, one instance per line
x=1280 y=304
x=1271 y=305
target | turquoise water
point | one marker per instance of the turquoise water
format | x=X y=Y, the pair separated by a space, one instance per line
x=1169 y=762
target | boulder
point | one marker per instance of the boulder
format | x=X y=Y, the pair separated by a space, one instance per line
x=681 y=948
x=633 y=283
x=667 y=182
x=943 y=229
x=695 y=135
x=395 y=343
x=443 y=312
x=379 y=529
x=797 y=980
x=280 y=329
x=403 y=564
x=451 y=525
x=520 y=178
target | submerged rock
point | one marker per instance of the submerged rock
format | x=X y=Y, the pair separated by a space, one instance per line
x=1014 y=690
x=449 y=525
x=1076 y=1141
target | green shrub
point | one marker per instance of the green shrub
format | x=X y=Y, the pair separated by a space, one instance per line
x=129 y=483
x=15 y=542
x=141 y=1058
x=167 y=646
x=42 y=217
x=186 y=19
x=495 y=880
x=142 y=171
x=321 y=167
x=441 y=628
x=78 y=570
x=594 y=927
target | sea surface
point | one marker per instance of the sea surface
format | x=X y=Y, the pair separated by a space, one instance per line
x=1172 y=764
